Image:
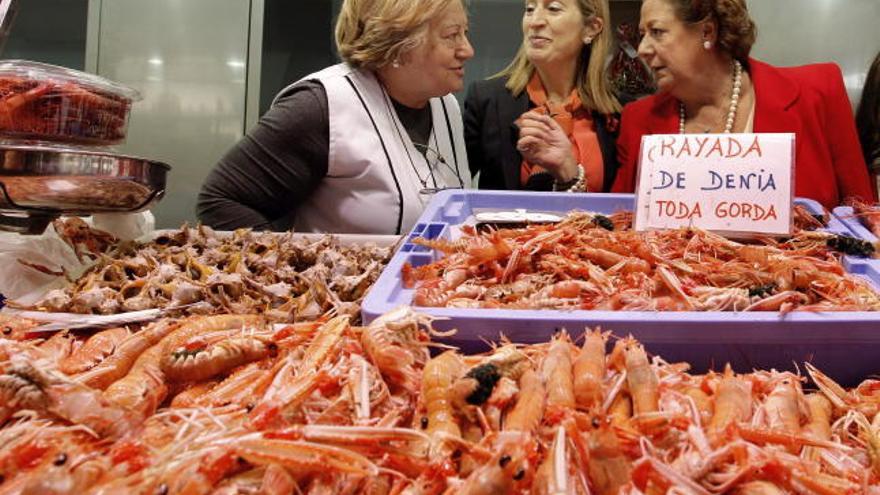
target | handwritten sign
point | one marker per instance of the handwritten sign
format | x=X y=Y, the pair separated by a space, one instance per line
x=732 y=183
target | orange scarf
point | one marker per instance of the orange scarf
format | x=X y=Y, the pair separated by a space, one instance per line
x=577 y=123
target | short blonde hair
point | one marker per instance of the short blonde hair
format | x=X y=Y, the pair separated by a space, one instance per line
x=591 y=81
x=373 y=33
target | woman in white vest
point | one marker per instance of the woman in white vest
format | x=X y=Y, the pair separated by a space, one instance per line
x=359 y=147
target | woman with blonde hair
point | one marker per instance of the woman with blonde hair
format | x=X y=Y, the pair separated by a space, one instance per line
x=699 y=53
x=548 y=121
x=360 y=146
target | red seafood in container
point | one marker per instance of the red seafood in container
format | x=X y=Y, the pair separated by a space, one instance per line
x=46 y=102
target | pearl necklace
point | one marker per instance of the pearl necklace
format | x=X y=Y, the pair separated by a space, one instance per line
x=734 y=102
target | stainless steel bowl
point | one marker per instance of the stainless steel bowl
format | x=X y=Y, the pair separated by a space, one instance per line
x=39 y=180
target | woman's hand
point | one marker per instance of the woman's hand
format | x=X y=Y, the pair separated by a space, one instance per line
x=543 y=142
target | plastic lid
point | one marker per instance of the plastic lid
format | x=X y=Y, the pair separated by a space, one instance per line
x=41 y=72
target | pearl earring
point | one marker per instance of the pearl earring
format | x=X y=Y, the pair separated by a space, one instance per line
x=588 y=40
x=395 y=64
x=707 y=45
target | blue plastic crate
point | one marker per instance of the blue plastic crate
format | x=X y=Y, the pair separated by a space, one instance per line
x=846 y=216
x=843 y=344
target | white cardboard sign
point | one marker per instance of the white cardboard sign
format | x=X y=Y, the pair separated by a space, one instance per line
x=731 y=183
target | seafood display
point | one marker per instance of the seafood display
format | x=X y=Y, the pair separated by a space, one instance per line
x=85 y=240
x=592 y=262
x=282 y=276
x=868 y=214
x=253 y=374
x=39 y=101
x=55 y=125
x=229 y=404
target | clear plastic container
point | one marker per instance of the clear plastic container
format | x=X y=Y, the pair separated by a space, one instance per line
x=47 y=102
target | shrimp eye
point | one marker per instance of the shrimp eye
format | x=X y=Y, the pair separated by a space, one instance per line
x=60 y=459
x=7 y=330
x=162 y=489
x=424 y=422
x=504 y=460
x=596 y=423
x=250 y=406
x=519 y=474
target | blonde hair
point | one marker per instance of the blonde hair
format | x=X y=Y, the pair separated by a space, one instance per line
x=593 y=86
x=374 y=33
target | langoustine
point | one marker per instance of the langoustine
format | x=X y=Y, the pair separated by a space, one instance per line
x=522 y=424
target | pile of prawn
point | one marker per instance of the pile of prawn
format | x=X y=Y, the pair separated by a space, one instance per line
x=280 y=275
x=228 y=404
x=590 y=262
x=564 y=418
x=868 y=214
x=211 y=404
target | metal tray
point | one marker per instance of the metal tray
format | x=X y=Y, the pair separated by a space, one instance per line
x=39 y=182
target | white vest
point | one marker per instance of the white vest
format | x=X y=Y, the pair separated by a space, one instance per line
x=374 y=172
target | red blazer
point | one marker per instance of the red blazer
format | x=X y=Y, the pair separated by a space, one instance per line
x=809 y=101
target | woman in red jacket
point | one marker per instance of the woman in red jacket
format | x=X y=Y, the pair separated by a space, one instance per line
x=699 y=53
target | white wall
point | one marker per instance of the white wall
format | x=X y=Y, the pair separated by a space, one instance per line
x=188 y=58
x=796 y=32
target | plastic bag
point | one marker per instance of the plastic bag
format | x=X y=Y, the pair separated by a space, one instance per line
x=32 y=265
x=125 y=226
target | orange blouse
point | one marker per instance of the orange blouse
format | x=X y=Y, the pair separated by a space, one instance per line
x=577 y=122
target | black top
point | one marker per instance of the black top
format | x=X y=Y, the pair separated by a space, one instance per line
x=261 y=181
x=417 y=122
x=490 y=134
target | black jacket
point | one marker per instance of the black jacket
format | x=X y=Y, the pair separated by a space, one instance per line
x=490 y=135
